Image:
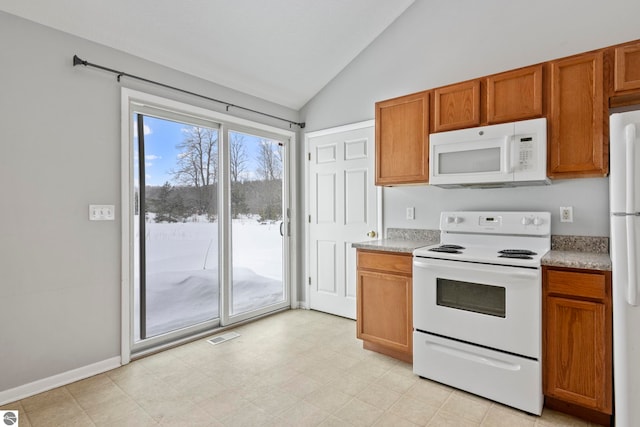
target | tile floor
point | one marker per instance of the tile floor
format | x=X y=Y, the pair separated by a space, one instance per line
x=296 y=368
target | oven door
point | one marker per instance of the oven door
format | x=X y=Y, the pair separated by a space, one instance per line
x=490 y=305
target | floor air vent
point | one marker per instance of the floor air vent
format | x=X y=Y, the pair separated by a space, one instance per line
x=223 y=338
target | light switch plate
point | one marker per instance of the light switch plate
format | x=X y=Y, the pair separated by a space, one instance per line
x=102 y=212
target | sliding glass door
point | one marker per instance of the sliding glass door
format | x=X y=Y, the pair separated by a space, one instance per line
x=258 y=223
x=209 y=222
x=176 y=225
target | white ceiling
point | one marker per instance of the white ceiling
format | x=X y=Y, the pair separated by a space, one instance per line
x=284 y=51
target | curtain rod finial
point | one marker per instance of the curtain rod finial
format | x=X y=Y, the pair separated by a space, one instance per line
x=78 y=61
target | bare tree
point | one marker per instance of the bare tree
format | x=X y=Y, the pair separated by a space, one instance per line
x=197 y=164
x=238 y=160
x=238 y=157
x=269 y=160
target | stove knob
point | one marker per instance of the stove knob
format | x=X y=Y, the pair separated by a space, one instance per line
x=538 y=221
x=454 y=220
x=526 y=221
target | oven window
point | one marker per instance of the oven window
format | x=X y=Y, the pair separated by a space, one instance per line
x=484 y=299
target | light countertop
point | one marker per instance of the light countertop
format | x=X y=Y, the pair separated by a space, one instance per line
x=577 y=259
x=394 y=245
x=588 y=252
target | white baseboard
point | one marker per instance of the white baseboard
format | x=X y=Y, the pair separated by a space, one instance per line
x=299 y=305
x=39 y=386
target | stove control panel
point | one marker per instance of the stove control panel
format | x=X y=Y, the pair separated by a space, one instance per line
x=516 y=223
x=490 y=220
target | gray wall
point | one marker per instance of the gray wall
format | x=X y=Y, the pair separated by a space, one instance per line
x=60 y=152
x=438 y=42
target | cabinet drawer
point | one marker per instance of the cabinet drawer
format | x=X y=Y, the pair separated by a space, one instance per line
x=387 y=262
x=571 y=283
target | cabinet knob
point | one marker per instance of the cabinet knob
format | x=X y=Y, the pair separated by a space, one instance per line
x=372 y=234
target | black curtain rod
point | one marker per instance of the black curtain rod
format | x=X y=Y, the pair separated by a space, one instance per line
x=78 y=61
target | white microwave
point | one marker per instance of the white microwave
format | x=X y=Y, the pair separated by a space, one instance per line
x=503 y=155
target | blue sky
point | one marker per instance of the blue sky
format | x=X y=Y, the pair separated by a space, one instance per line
x=161 y=137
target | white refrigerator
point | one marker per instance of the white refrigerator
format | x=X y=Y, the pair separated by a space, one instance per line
x=624 y=199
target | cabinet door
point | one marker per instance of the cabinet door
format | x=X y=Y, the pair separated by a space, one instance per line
x=515 y=95
x=385 y=310
x=457 y=106
x=578 y=145
x=402 y=135
x=576 y=352
x=627 y=67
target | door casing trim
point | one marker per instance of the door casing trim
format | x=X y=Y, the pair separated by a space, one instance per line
x=307 y=203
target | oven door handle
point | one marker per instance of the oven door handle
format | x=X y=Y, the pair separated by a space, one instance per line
x=520 y=273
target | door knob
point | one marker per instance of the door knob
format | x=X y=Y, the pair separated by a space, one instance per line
x=371 y=234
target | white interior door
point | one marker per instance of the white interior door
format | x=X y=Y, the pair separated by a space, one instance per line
x=342 y=209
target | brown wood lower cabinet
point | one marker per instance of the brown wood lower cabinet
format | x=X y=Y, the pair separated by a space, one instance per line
x=577 y=355
x=384 y=303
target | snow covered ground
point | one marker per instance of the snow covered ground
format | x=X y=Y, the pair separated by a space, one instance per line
x=182 y=271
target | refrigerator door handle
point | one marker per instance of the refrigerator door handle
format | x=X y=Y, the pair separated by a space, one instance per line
x=632 y=271
x=632 y=277
x=630 y=145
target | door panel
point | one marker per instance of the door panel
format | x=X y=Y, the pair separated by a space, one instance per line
x=175 y=224
x=355 y=197
x=258 y=225
x=326 y=261
x=326 y=211
x=342 y=210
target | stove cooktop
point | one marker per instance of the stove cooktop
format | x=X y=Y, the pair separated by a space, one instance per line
x=482 y=254
x=518 y=239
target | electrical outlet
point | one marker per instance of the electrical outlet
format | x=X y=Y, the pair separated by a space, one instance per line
x=411 y=213
x=566 y=213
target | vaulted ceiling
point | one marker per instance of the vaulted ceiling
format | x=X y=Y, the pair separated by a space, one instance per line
x=284 y=51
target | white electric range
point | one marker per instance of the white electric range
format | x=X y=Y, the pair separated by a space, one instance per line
x=477 y=305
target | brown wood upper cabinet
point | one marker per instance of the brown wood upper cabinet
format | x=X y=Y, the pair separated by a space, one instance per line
x=515 y=95
x=627 y=68
x=578 y=144
x=402 y=140
x=577 y=324
x=456 y=106
x=573 y=93
x=510 y=96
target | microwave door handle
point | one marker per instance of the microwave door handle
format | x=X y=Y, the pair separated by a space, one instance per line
x=506 y=158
